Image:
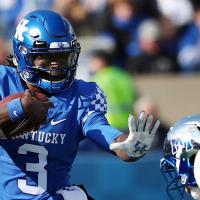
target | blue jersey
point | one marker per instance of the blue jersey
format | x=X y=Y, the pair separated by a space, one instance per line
x=36 y=164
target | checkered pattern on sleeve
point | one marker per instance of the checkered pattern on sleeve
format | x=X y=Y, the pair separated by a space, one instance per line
x=98 y=104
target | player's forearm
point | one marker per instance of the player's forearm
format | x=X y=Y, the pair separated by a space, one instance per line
x=4 y=117
x=120 y=153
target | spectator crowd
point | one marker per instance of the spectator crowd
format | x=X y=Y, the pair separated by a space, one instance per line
x=153 y=36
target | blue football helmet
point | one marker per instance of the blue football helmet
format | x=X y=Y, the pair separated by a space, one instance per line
x=46 y=51
x=180 y=161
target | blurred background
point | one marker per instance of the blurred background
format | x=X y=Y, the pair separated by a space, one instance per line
x=145 y=55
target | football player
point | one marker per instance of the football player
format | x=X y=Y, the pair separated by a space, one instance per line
x=36 y=156
x=180 y=165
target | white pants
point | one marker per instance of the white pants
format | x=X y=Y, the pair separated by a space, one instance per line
x=72 y=193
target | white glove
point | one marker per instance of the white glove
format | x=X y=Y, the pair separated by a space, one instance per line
x=140 y=138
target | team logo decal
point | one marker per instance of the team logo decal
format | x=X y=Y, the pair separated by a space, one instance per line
x=184 y=140
x=21 y=28
x=177 y=144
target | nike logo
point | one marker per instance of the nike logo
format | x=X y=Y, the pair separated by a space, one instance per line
x=37 y=42
x=57 y=122
x=15 y=113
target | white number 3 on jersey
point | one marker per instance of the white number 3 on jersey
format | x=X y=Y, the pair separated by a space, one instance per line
x=34 y=167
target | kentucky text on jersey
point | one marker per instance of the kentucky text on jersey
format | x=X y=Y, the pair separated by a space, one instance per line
x=40 y=136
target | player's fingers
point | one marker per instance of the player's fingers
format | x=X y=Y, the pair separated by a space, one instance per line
x=155 y=127
x=44 y=119
x=141 y=121
x=131 y=124
x=148 y=124
x=117 y=146
x=48 y=104
x=149 y=140
x=35 y=128
x=37 y=123
x=28 y=93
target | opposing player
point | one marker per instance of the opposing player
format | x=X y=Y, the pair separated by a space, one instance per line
x=37 y=155
x=181 y=162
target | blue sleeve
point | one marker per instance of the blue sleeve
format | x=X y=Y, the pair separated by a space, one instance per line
x=9 y=81
x=97 y=128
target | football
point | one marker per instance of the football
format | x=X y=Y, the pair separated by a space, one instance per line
x=17 y=128
x=38 y=95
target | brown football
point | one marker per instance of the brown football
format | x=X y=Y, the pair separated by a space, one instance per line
x=39 y=96
x=17 y=128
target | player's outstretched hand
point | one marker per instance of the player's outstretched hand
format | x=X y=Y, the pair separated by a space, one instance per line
x=140 y=138
x=36 y=110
